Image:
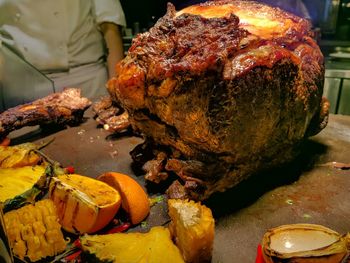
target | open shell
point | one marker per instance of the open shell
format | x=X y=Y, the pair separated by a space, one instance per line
x=304 y=243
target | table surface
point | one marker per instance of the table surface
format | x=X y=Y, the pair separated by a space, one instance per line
x=309 y=190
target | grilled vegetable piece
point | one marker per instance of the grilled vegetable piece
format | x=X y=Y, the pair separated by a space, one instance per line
x=20 y=186
x=34 y=232
x=193 y=227
x=152 y=247
x=25 y=173
x=19 y=155
x=84 y=205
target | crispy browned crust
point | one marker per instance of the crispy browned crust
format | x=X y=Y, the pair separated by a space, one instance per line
x=109 y=114
x=230 y=84
x=66 y=107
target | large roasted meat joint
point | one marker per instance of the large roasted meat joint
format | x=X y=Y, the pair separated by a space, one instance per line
x=220 y=91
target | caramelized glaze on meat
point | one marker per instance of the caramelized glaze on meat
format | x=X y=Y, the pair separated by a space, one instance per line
x=226 y=84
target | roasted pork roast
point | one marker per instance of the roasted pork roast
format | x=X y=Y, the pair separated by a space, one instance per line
x=220 y=91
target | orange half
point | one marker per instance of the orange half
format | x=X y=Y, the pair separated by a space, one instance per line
x=84 y=205
x=134 y=198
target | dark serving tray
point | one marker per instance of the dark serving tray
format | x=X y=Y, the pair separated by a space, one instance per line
x=310 y=190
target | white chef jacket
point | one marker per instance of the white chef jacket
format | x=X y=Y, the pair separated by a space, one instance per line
x=60 y=37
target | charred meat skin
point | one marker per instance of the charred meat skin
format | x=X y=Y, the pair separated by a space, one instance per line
x=109 y=114
x=233 y=85
x=66 y=107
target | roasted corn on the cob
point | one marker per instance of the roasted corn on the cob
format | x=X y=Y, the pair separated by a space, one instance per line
x=34 y=231
x=192 y=226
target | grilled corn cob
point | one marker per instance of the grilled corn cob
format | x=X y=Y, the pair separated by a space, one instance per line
x=192 y=226
x=34 y=231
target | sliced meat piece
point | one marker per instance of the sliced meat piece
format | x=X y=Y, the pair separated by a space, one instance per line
x=117 y=123
x=177 y=191
x=111 y=115
x=102 y=104
x=66 y=107
x=155 y=169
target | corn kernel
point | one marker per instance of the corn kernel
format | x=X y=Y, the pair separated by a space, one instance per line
x=34 y=231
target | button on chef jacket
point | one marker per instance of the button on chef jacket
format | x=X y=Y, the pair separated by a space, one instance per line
x=59 y=37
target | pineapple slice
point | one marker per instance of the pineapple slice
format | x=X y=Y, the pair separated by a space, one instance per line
x=19 y=155
x=24 y=174
x=20 y=186
x=152 y=247
x=193 y=227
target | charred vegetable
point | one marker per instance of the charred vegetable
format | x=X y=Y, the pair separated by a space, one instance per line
x=34 y=231
x=152 y=247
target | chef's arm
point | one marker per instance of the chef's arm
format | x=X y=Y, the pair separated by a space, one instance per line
x=113 y=37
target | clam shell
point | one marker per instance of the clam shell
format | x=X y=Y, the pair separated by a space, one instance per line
x=304 y=243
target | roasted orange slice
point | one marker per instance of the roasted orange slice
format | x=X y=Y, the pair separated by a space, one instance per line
x=84 y=205
x=134 y=199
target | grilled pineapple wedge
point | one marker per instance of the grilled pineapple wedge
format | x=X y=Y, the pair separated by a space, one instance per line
x=19 y=155
x=152 y=247
x=20 y=186
x=25 y=173
x=34 y=232
x=193 y=227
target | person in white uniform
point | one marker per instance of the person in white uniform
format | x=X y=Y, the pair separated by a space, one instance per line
x=76 y=43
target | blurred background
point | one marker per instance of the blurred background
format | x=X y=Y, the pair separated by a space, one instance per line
x=332 y=17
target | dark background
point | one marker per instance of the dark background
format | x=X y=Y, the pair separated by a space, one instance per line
x=332 y=17
x=146 y=13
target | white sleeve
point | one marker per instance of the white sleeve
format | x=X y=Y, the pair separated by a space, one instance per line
x=109 y=11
